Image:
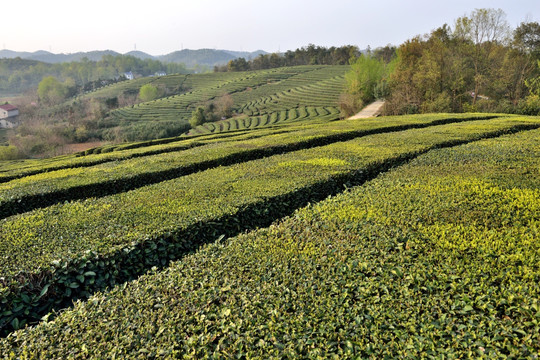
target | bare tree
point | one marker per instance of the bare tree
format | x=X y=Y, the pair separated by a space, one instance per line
x=482 y=33
x=483 y=25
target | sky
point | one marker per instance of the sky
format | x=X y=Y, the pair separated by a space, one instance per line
x=159 y=27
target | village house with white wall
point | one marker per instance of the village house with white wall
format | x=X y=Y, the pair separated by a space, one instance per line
x=8 y=116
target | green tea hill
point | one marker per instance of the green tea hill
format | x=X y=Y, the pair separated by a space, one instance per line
x=256 y=98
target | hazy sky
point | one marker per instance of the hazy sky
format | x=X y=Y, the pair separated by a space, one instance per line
x=162 y=26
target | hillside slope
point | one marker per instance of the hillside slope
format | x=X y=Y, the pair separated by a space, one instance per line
x=258 y=98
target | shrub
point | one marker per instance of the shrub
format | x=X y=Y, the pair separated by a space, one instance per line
x=9 y=153
x=349 y=105
x=442 y=103
x=148 y=92
x=198 y=117
x=530 y=106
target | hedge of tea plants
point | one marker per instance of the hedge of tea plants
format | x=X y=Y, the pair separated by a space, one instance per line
x=10 y=170
x=437 y=258
x=207 y=87
x=53 y=255
x=122 y=171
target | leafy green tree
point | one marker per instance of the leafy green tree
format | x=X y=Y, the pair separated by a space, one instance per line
x=197 y=117
x=527 y=38
x=51 y=91
x=9 y=153
x=531 y=104
x=311 y=54
x=239 y=64
x=148 y=92
x=364 y=76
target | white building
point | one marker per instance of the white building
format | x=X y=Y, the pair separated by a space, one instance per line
x=8 y=116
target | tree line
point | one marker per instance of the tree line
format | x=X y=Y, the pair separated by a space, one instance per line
x=479 y=64
x=308 y=55
x=20 y=75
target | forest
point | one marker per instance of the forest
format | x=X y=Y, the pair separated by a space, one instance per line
x=479 y=64
x=20 y=75
x=308 y=55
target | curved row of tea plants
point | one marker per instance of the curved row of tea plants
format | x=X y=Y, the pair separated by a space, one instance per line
x=435 y=259
x=164 y=162
x=204 y=87
x=283 y=116
x=266 y=93
x=243 y=86
x=317 y=94
x=10 y=170
x=53 y=255
x=298 y=101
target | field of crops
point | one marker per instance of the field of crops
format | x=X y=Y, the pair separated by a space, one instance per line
x=397 y=237
x=260 y=98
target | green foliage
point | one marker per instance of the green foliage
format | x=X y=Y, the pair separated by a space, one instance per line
x=252 y=94
x=473 y=67
x=9 y=153
x=51 y=91
x=113 y=114
x=531 y=105
x=442 y=103
x=148 y=92
x=309 y=55
x=198 y=117
x=130 y=169
x=527 y=37
x=19 y=75
x=112 y=102
x=139 y=227
x=366 y=74
x=533 y=84
x=435 y=258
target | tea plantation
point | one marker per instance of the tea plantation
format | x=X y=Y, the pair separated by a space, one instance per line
x=257 y=98
x=396 y=237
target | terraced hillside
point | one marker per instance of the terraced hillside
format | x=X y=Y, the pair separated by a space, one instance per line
x=260 y=98
x=397 y=237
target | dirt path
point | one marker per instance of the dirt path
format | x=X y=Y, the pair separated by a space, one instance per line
x=371 y=110
x=72 y=148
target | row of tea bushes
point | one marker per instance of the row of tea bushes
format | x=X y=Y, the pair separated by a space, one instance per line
x=21 y=168
x=208 y=87
x=434 y=259
x=53 y=255
x=10 y=170
x=48 y=188
x=278 y=117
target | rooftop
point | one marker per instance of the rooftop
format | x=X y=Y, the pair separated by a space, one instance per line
x=8 y=107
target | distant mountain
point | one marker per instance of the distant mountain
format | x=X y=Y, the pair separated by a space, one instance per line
x=245 y=54
x=48 y=57
x=9 y=54
x=141 y=55
x=191 y=58
x=45 y=56
x=208 y=57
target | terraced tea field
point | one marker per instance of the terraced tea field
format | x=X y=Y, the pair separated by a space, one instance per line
x=259 y=98
x=395 y=237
